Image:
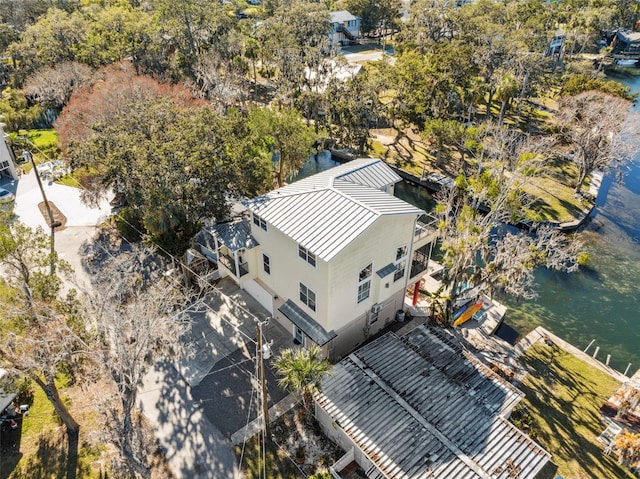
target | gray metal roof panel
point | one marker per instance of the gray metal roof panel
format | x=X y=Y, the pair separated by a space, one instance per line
x=377 y=175
x=306 y=323
x=341 y=16
x=417 y=384
x=327 y=211
x=235 y=235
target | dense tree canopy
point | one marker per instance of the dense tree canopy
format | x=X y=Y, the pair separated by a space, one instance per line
x=595 y=135
x=173 y=165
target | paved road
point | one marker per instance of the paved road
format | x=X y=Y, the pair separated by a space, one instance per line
x=195 y=449
x=81 y=219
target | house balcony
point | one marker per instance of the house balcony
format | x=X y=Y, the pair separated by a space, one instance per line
x=426 y=230
x=420 y=261
x=230 y=263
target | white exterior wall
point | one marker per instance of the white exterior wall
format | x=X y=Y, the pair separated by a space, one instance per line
x=336 y=283
x=7 y=166
x=378 y=245
x=288 y=270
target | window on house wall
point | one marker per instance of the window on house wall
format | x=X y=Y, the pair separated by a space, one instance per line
x=307 y=255
x=364 y=283
x=259 y=222
x=266 y=263
x=298 y=336
x=308 y=297
x=401 y=254
x=400 y=267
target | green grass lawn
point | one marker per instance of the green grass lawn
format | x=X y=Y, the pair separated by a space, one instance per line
x=279 y=465
x=69 y=180
x=564 y=395
x=43 y=446
x=43 y=144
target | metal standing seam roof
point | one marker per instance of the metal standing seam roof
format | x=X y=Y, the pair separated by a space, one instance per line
x=416 y=406
x=327 y=211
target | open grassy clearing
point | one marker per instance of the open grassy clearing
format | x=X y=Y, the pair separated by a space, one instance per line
x=551 y=195
x=553 y=201
x=43 y=443
x=563 y=396
x=43 y=144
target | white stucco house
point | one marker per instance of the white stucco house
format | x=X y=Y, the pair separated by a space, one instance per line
x=329 y=256
x=8 y=167
x=345 y=27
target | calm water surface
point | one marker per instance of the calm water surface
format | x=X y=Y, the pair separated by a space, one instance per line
x=600 y=302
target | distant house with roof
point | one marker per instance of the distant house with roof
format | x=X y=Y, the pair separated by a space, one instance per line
x=345 y=27
x=8 y=162
x=419 y=406
x=329 y=256
x=626 y=42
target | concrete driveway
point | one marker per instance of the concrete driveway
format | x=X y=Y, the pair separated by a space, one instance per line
x=222 y=372
x=200 y=403
x=81 y=219
x=66 y=198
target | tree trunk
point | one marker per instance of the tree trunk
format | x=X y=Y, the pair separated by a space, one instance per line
x=439 y=156
x=503 y=109
x=522 y=92
x=489 y=102
x=255 y=82
x=582 y=177
x=72 y=427
x=281 y=171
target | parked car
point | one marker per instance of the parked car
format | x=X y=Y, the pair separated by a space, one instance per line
x=6 y=196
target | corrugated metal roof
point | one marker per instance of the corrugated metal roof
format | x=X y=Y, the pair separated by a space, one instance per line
x=306 y=323
x=327 y=211
x=417 y=406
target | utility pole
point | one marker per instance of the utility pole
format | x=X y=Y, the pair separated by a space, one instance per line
x=263 y=388
x=54 y=224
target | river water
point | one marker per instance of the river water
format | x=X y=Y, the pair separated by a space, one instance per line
x=600 y=302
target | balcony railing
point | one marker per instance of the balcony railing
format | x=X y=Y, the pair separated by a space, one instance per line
x=426 y=225
x=230 y=264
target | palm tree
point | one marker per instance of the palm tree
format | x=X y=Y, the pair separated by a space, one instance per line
x=301 y=371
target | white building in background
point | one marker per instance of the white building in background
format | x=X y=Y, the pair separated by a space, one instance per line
x=345 y=27
x=7 y=159
x=330 y=256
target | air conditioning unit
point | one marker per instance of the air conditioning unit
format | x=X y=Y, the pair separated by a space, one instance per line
x=376 y=308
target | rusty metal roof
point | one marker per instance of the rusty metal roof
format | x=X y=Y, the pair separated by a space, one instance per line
x=419 y=406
